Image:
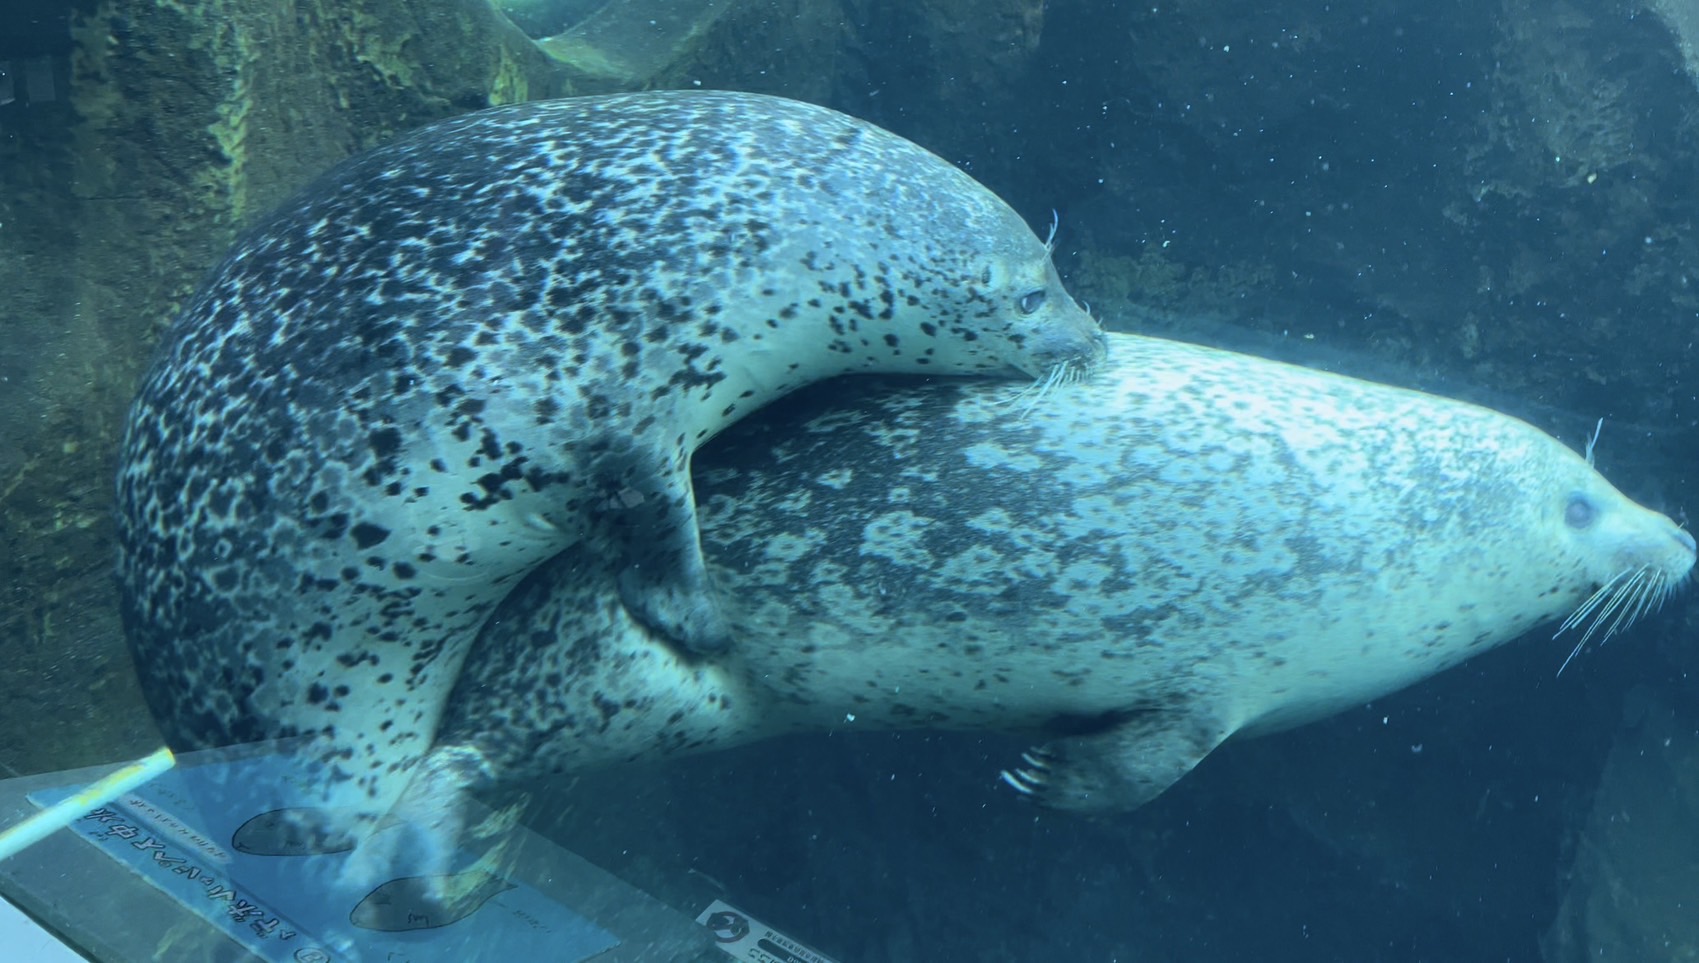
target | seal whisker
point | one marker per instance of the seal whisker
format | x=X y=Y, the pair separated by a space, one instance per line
x=1599 y=595
x=1594 y=441
x=1033 y=393
x=1652 y=595
x=1059 y=375
x=1633 y=604
x=1623 y=600
x=1583 y=612
x=1666 y=588
x=1620 y=605
x=1076 y=374
x=1023 y=392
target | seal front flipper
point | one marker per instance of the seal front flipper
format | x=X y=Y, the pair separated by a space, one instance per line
x=663 y=581
x=673 y=598
x=1119 y=768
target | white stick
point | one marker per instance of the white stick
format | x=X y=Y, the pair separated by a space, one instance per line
x=63 y=813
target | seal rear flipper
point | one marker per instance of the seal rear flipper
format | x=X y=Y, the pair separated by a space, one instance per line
x=1116 y=769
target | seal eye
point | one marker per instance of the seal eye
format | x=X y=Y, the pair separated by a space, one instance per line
x=1032 y=301
x=1579 y=513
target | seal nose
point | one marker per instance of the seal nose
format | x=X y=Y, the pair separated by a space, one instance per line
x=1686 y=540
x=1090 y=347
x=1083 y=346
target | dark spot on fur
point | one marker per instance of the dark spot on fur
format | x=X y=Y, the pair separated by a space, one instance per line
x=607 y=707
x=335 y=526
x=366 y=534
x=385 y=442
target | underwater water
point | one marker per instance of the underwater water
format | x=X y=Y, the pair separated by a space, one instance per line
x=1486 y=204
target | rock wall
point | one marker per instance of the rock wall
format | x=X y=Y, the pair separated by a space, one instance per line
x=172 y=125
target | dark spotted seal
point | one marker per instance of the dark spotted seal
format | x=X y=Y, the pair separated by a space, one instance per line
x=503 y=336
x=1191 y=546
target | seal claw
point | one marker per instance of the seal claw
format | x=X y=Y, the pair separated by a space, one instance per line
x=1034 y=779
x=1016 y=781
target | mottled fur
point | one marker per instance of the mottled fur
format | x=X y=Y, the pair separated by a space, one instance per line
x=1192 y=545
x=503 y=336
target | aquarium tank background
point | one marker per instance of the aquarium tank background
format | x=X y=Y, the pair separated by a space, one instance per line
x=1491 y=202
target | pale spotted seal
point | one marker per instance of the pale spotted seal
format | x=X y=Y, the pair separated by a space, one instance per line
x=500 y=337
x=1193 y=545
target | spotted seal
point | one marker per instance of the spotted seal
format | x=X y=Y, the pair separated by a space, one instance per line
x=501 y=337
x=1193 y=545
